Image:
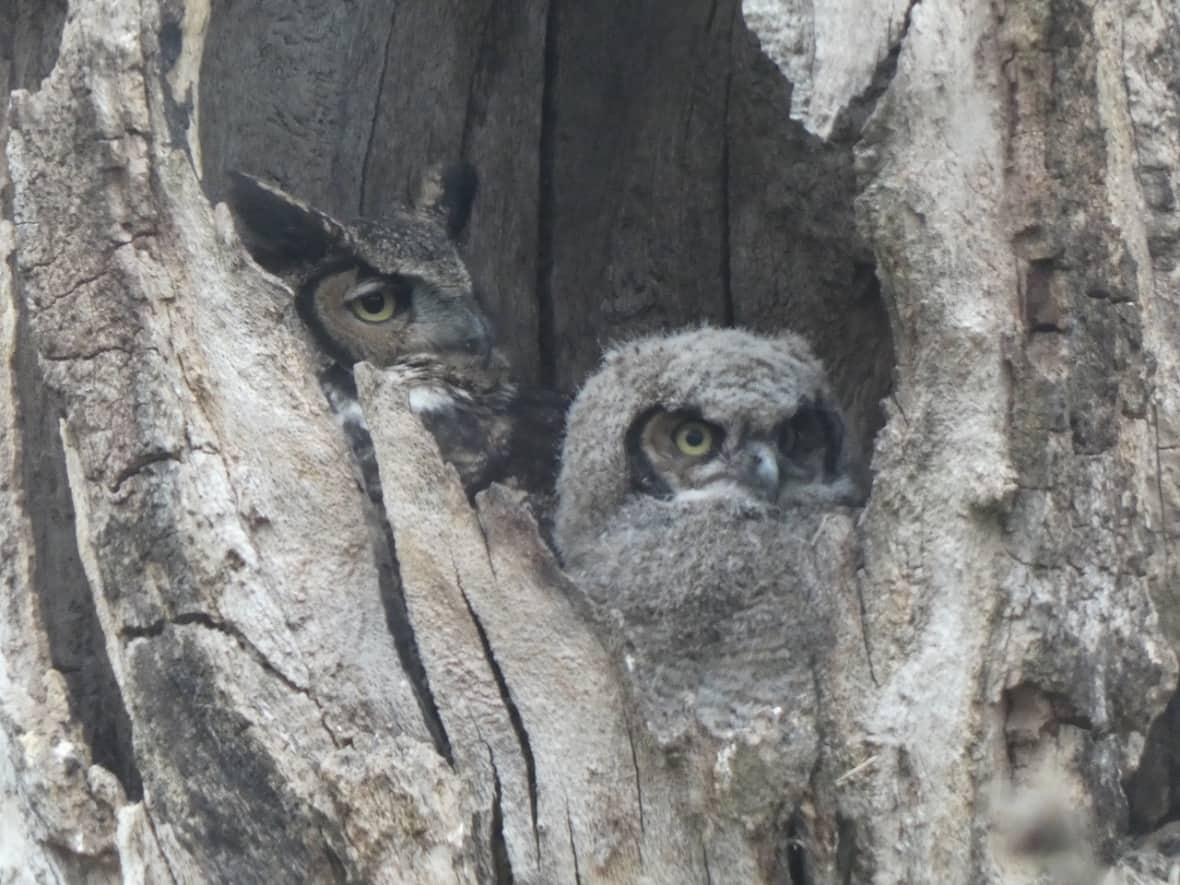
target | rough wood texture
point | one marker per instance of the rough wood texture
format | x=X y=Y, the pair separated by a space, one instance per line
x=970 y=210
x=226 y=593
x=1007 y=225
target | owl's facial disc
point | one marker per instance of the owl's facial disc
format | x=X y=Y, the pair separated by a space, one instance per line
x=679 y=454
x=673 y=452
x=360 y=315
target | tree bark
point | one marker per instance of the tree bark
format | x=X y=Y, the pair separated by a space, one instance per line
x=211 y=670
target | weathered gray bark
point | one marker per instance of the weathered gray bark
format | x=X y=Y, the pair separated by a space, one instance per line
x=968 y=208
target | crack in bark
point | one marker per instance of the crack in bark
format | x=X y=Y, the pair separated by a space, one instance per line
x=514 y=717
x=405 y=642
x=155 y=629
x=65 y=602
x=900 y=411
x=1032 y=566
x=864 y=630
x=569 y=826
x=796 y=850
x=850 y=121
x=87 y=355
x=107 y=253
x=84 y=281
x=501 y=862
x=163 y=854
x=51 y=867
x=142 y=463
x=547 y=205
x=846 y=848
x=203 y=619
x=376 y=114
x=335 y=864
x=638 y=782
x=338 y=384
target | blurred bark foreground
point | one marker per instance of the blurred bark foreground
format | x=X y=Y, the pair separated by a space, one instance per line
x=206 y=675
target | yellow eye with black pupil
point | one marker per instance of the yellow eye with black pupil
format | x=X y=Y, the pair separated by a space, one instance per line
x=374 y=307
x=694 y=438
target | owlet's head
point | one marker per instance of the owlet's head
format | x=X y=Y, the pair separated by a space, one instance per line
x=706 y=413
x=375 y=290
x=769 y=456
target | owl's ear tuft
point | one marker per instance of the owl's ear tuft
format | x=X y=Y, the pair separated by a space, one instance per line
x=448 y=192
x=276 y=227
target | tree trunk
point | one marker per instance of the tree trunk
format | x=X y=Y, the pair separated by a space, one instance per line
x=210 y=671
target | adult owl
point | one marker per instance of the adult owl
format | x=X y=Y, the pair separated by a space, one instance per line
x=695 y=468
x=394 y=291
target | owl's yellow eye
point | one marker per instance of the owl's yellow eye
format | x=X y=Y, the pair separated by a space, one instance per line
x=375 y=306
x=694 y=438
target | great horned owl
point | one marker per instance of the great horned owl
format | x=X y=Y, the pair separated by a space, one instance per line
x=705 y=414
x=394 y=291
x=695 y=469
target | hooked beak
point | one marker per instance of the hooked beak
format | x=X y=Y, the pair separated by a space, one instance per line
x=480 y=339
x=760 y=470
x=472 y=336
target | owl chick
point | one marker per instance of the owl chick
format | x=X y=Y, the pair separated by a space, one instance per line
x=695 y=468
x=394 y=291
x=707 y=414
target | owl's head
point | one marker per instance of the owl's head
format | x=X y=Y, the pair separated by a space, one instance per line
x=702 y=414
x=374 y=290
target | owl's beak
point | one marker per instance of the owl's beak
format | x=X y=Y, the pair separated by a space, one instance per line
x=760 y=470
x=479 y=343
x=482 y=343
x=473 y=336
